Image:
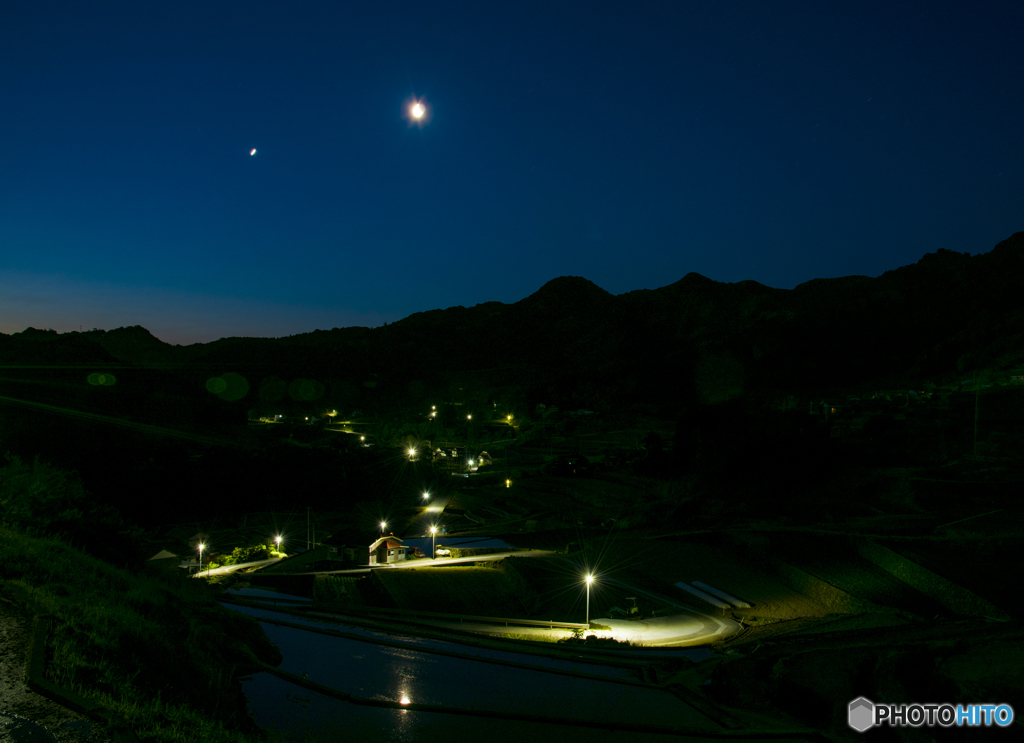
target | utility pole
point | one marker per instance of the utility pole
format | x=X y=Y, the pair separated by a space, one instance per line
x=975 y=413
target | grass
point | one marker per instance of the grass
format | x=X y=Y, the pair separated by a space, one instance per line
x=459 y=590
x=153 y=647
x=335 y=588
x=531 y=638
x=305 y=562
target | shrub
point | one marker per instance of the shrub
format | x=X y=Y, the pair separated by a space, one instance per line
x=247 y=554
x=40 y=499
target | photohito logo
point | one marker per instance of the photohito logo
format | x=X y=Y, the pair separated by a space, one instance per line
x=863 y=714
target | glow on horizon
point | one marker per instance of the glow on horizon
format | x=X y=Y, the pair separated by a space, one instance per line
x=173 y=315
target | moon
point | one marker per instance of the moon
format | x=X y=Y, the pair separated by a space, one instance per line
x=252 y=152
x=417 y=111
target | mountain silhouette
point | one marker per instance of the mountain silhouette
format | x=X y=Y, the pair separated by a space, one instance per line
x=694 y=340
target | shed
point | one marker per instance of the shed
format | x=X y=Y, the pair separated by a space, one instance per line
x=164 y=558
x=386 y=550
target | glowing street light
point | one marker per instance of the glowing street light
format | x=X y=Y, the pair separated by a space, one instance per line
x=278 y=540
x=201 y=545
x=508 y=483
x=412 y=452
x=469 y=417
x=426 y=495
x=590 y=579
x=382 y=525
x=433 y=549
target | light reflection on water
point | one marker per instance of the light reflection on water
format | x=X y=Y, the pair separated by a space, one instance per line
x=389 y=673
x=303 y=716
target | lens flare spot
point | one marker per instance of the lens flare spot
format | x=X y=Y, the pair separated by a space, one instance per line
x=306 y=389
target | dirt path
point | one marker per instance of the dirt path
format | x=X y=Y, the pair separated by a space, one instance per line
x=24 y=714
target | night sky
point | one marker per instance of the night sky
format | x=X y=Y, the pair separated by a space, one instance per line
x=628 y=143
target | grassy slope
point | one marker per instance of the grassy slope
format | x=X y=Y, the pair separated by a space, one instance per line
x=154 y=646
x=479 y=591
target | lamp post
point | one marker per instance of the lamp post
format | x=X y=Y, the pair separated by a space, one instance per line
x=201 y=545
x=426 y=495
x=433 y=549
x=590 y=579
x=382 y=525
x=278 y=540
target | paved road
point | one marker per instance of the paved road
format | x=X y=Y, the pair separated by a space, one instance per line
x=430 y=513
x=687 y=626
x=425 y=562
x=228 y=569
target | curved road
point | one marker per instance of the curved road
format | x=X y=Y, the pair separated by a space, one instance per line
x=687 y=627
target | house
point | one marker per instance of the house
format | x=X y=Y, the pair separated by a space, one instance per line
x=454 y=458
x=165 y=559
x=343 y=548
x=387 y=550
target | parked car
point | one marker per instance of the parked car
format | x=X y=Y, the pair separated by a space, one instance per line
x=443 y=552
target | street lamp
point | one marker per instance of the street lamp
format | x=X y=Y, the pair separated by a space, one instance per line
x=382 y=525
x=590 y=579
x=433 y=549
x=201 y=545
x=426 y=495
x=278 y=540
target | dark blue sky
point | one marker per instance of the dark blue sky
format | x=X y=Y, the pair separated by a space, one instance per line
x=629 y=143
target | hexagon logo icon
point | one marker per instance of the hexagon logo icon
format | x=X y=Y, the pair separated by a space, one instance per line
x=861 y=714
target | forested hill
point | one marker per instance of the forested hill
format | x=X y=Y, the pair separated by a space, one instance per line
x=696 y=340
